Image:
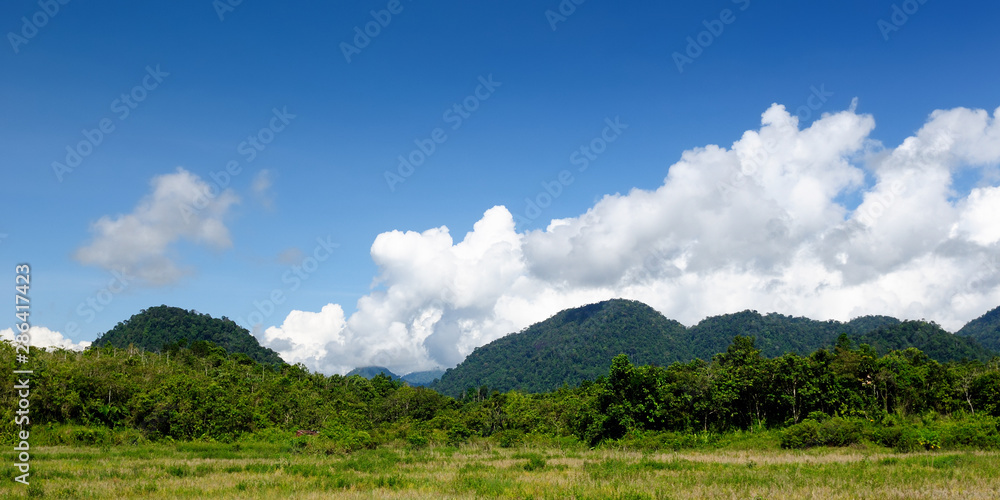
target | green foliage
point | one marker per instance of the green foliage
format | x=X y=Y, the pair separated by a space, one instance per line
x=508 y=438
x=578 y=344
x=930 y=338
x=164 y=328
x=210 y=402
x=417 y=441
x=985 y=330
x=572 y=346
x=776 y=334
x=458 y=434
x=535 y=462
x=832 y=432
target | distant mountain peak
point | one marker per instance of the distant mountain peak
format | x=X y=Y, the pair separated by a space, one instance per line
x=371 y=372
x=573 y=345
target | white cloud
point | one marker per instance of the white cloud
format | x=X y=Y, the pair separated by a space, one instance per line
x=758 y=225
x=43 y=337
x=261 y=188
x=313 y=333
x=181 y=206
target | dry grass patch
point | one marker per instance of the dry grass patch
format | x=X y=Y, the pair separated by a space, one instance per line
x=167 y=471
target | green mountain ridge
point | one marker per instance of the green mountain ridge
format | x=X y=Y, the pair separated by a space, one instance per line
x=578 y=344
x=574 y=345
x=776 y=333
x=370 y=372
x=415 y=379
x=158 y=328
x=422 y=378
x=930 y=338
x=984 y=329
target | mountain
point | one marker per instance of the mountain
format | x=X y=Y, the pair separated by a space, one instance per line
x=985 y=329
x=776 y=334
x=930 y=338
x=415 y=379
x=369 y=372
x=574 y=345
x=423 y=378
x=157 y=327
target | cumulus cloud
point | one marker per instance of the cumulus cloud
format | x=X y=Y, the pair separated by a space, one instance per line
x=43 y=337
x=181 y=206
x=761 y=224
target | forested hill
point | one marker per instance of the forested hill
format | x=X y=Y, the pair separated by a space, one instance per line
x=578 y=343
x=985 y=329
x=930 y=338
x=574 y=345
x=156 y=328
x=776 y=334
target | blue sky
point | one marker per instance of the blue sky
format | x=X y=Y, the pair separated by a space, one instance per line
x=223 y=74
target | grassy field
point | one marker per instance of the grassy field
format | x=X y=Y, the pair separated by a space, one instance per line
x=267 y=471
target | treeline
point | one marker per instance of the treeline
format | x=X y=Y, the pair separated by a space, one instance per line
x=832 y=396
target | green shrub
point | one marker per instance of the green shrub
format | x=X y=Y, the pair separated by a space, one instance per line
x=508 y=438
x=417 y=440
x=801 y=435
x=833 y=432
x=665 y=440
x=458 y=434
x=977 y=432
x=817 y=416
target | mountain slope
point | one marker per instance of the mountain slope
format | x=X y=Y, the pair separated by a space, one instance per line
x=985 y=329
x=423 y=378
x=369 y=372
x=156 y=327
x=574 y=345
x=930 y=338
x=776 y=334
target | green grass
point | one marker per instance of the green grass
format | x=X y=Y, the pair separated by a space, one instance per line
x=483 y=469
